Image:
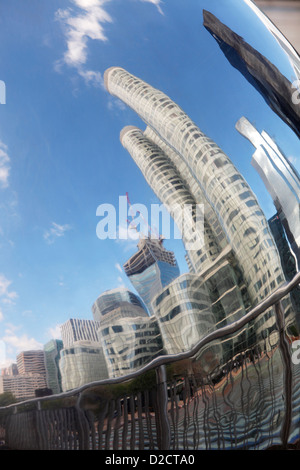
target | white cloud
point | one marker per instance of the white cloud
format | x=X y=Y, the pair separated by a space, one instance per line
x=4 y=165
x=55 y=333
x=83 y=21
x=1 y=315
x=79 y=28
x=6 y=295
x=55 y=231
x=157 y=3
x=119 y=267
x=16 y=344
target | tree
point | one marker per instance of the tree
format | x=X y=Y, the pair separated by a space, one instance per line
x=7 y=398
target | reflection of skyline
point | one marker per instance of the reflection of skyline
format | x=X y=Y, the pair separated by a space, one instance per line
x=130 y=337
x=249 y=245
x=225 y=190
x=274 y=87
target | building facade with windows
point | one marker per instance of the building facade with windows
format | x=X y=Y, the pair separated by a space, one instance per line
x=129 y=336
x=151 y=268
x=77 y=329
x=52 y=351
x=82 y=363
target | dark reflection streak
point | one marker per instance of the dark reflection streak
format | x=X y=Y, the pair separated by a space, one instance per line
x=261 y=400
x=218 y=421
x=245 y=382
x=272 y=388
x=248 y=398
x=141 y=430
x=198 y=421
x=195 y=413
x=125 y=424
x=109 y=421
x=227 y=390
x=172 y=410
x=176 y=417
x=117 y=425
x=186 y=412
x=205 y=417
x=286 y=358
x=274 y=87
x=245 y=414
x=262 y=389
x=101 y=418
x=148 y=419
x=133 y=427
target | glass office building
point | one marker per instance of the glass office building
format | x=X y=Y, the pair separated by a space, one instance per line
x=111 y=299
x=77 y=329
x=82 y=363
x=151 y=268
x=129 y=336
x=52 y=356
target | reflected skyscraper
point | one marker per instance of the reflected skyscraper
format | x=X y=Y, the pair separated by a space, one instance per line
x=280 y=178
x=184 y=313
x=151 y=269
x=226 y=191
x=31 y=376
x=171 y=188
x=81 y=359
x=52 y=356
x=77 y=329
x=81 y=363
x=130 y=338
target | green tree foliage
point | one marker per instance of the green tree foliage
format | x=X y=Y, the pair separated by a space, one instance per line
x=7 y=398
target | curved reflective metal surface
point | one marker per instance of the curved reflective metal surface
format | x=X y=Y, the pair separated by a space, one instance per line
x=204 y=358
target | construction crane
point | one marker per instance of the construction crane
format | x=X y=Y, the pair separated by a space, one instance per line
x=150 y=230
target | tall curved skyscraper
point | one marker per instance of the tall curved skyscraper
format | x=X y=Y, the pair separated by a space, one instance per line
x=226 y=191
x=166 y=181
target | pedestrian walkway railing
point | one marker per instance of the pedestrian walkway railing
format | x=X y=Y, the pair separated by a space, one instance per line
x=236 y=389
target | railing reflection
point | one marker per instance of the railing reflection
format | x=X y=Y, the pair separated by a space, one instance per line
x=185 y=401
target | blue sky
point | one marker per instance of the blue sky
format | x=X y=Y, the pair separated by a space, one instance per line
x=60 y=154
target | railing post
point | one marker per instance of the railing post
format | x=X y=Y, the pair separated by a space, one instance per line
x=164 y=432
x=287 y=364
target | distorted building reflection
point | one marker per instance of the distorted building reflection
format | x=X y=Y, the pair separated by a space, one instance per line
x=267 y=79
x=81 y=363
x=244 y=225
x=280 y=178
x=81 y=359
x=52 y=351
x=77 y=329
x=151 y=268
x=129 y=336
x=27 y=379
x=242 y=234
